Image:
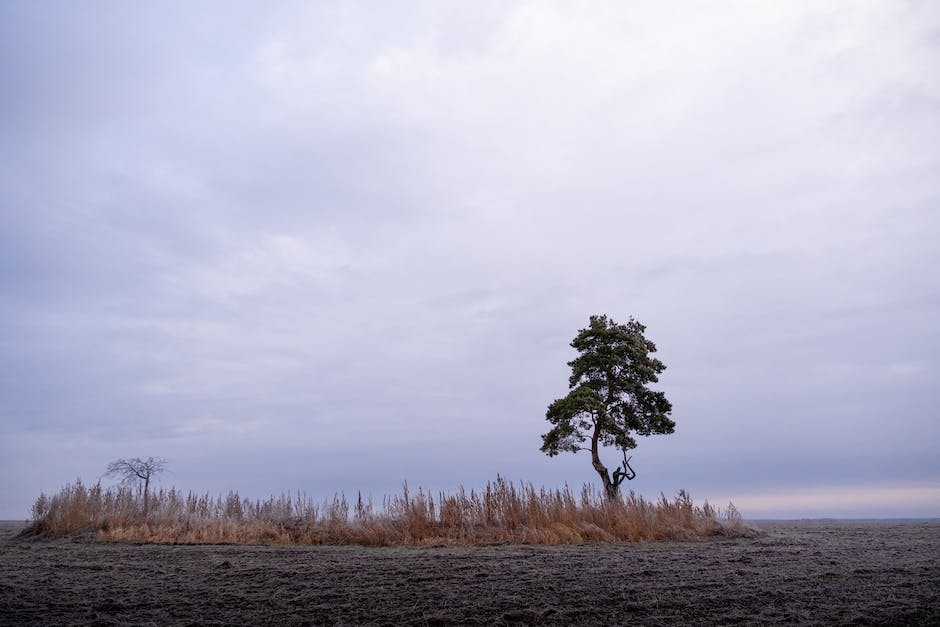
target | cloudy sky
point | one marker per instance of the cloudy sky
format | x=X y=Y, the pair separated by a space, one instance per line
x=337 y=246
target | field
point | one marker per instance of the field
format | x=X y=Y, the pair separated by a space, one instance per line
x=808 y=573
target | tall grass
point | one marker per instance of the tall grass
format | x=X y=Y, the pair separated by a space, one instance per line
x=502 y=512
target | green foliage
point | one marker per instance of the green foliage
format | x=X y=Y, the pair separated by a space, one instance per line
x=609 y=399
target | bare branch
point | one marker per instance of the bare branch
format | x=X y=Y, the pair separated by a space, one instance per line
x=136 y=469
x=624 y=472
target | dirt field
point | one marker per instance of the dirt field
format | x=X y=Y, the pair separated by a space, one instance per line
x=818 y=572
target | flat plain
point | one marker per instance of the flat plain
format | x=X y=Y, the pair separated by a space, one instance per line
x=813 y=572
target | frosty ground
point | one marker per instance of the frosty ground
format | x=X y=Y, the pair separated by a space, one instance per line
x=824 y=572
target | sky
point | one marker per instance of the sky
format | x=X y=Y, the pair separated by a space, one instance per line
x=328 y=247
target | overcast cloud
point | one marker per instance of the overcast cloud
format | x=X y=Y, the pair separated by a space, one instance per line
x=336 y=246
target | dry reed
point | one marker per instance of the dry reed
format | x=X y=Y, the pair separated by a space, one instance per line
x=502 y=512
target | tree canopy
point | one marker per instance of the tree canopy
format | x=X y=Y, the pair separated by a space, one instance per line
x=609 y=401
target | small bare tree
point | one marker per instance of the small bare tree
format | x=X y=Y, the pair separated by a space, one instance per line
x=137 y=470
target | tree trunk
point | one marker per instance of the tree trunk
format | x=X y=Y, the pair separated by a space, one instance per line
x=611 y=490
x=146 y=496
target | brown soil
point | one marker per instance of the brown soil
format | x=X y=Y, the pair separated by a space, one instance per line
x=818 y=572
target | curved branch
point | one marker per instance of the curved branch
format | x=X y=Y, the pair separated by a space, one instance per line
x=624 y=472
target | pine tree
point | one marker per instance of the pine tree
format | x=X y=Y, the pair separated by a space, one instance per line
x=609 y=398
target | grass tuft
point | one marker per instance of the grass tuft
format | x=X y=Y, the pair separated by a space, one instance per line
x=502 y=512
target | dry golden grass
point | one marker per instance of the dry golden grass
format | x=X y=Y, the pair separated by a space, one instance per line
x=500 y=513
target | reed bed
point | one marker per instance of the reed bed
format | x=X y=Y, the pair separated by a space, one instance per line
x=502 y=512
